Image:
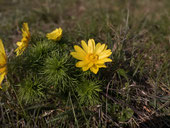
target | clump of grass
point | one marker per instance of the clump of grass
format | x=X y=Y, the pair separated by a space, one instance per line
x=46 y=69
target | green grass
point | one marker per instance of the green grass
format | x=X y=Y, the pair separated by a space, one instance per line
x=45 y=89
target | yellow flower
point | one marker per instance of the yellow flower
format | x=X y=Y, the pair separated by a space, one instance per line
x=55 y=35
x=3 y=62
x=25 y=39
x=91 y=56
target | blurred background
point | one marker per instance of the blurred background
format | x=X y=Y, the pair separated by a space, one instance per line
x=85 y=18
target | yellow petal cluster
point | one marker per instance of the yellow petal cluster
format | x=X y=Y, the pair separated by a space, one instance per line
x=3 y=62
x=25 y=39
x=91 y=56
x=55 y=35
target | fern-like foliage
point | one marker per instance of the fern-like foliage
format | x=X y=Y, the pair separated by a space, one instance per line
x=31 y=90
x=56 y=70
x=88 y=91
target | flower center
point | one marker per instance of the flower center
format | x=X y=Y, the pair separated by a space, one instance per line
x=92 y=57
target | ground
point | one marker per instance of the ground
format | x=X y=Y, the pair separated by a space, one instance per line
x=136 y=87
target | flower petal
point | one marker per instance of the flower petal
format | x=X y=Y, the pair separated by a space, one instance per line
x=79 y=50
x=22 y=45
x=100 y=49
x=97 y=46
x=91 y=46
x=78 y=56
x=2 y=69
x=105 y=48
x=25 y=30
x=81 y=63
x=84 y=45
x=85 y=68
x=55 y=35
x=101 y=66
x=60 y=31
x=21 y=49
x=2 y=78
x=25 y=27
x=102 y=61
x=94 y=69
x=105 y=54
x=2 y=47
x=3 y=57
x=19 y=43
x=90 y=64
